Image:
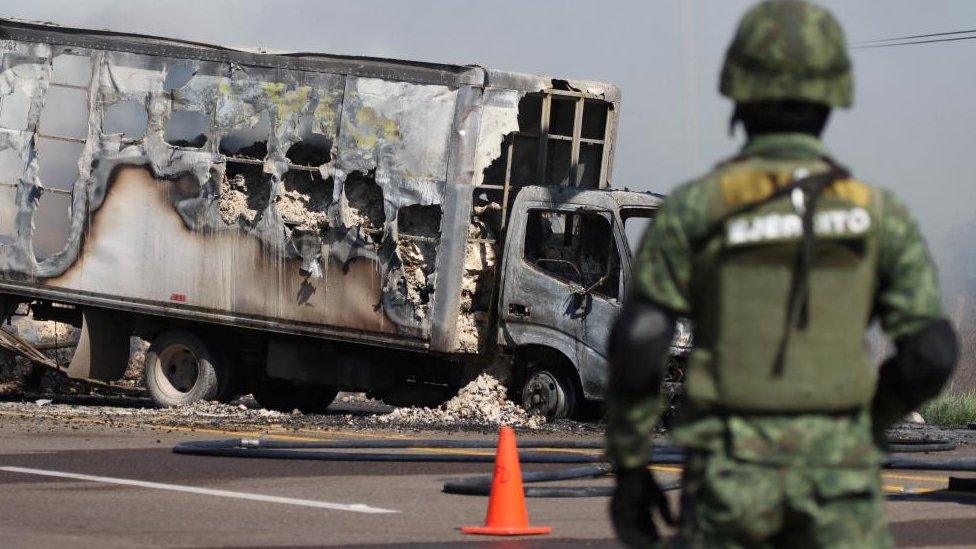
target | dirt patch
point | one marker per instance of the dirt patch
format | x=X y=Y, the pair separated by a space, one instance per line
x=483 y=402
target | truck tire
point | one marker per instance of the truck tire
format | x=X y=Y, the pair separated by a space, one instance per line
x=547 y=391
x=182 y=369
x=285 y=396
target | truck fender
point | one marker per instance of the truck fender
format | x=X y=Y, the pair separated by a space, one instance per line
x=590 y=366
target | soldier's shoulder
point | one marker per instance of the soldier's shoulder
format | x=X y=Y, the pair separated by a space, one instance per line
x=891 y=204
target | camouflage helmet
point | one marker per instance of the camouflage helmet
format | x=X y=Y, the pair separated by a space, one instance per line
x=785 y=49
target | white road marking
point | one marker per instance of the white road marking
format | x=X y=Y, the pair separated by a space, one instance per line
x=354 y=507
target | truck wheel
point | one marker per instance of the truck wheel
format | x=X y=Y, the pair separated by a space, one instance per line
x=180 y=369
x=548 y=392
x=285 y=396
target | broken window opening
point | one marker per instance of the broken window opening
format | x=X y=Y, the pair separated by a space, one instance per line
x=128 y=117
x=70 y=69
x=187 y=129
x=365 y=200
x=250 y=142
x=564 y=134
x=8 y=214
x=312 y=149
x=12 y=167
x=57 y=163
x=420 y=221
x=51 y=221
x=244 y=192
x=636 y=222
x=419 y=228
x=15 y=110
x=590 y=165
x=178 y=76
x=562 y=117
x=594 y=119
x=304 y=199
x=477 y=285
x=185 y=187
x=575 y=247
x=487 y=213
x=65 y=113
x=558 y=163
x=530 y=114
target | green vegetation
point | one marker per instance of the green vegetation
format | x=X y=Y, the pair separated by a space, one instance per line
x=951 y=409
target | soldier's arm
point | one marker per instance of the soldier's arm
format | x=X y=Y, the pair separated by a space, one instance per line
x=909 y=306
x=641 y=336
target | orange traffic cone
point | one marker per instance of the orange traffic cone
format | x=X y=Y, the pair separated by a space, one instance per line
x=507 y=515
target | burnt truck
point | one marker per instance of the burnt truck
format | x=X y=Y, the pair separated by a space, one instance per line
x=290 y=225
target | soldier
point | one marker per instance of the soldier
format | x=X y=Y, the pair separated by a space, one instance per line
x=781 y=258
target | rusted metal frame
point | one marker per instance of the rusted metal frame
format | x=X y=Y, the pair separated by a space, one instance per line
x=577 y=94
x=71 y=86
x=256 y=162
x=543 y=138
x=574 y=179
x=402 y=71
x=56 y=191
x=457 y=208
x=608 y=126
x=61 y=138
x=508 y=180
x=418 y=238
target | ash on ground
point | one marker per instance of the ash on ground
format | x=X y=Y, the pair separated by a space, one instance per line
x=482 y=402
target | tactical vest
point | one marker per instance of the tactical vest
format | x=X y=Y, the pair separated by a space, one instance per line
x=755 y=353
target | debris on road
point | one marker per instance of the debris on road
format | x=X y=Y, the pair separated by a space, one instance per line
x=484 y=401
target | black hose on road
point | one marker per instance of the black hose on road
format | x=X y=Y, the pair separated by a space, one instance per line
x=308 y=450
x=559 y=452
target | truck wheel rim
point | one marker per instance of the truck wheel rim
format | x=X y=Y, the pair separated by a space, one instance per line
x=180 y=369
x=542 y=394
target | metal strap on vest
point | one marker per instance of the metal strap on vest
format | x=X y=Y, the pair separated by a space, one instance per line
x=797 y=306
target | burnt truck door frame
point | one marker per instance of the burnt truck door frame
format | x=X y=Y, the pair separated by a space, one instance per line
x=538 y=308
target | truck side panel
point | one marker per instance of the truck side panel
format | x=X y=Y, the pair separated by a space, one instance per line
x=244 y=191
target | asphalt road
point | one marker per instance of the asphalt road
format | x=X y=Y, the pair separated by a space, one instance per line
x=75 y=484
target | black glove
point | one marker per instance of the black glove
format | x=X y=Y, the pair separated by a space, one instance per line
x=919 y=371
x=635 y=500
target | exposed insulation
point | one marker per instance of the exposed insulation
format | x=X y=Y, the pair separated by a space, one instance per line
x=233 y=200
x=417 y=270
x=419 y=229
x=364 y=204
x=476 y=286
x=303 y=201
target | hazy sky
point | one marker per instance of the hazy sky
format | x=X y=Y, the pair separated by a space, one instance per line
x=912 y=127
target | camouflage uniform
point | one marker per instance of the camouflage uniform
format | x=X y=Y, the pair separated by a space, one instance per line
x=777 y=476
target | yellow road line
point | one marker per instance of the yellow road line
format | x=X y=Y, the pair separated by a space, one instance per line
x=666 y=468
x=900 y=476
x=252 y=434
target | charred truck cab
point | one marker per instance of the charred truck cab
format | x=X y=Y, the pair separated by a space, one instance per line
x=292 y=225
